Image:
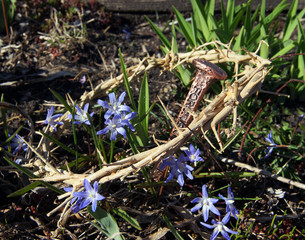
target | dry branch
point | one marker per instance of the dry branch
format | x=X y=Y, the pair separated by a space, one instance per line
x=246 y=83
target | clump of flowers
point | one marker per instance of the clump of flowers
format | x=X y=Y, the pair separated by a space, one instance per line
x=178 y=167
x=207 y=204
x=117 y=116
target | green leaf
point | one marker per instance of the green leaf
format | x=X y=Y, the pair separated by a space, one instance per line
x=143 y=104
x=7 y=141
x=255 y=33
x=226 y=174
x=132 y=221
x=25 y=189
x=284 y=50
x=263 y=10
x=31 y=175
x=63 y=146
x=229 y=14
x=61 y=99
x=201 y=19
x=210 y=12
x=108 y=224
x=194 y=31
x=239 y=40
x=162 y=37
x=171 y=227
x=183 y=73
x=98 y=145
x=291 y=14
x=126 y=81
x=301 y=49
x=185 y=28
x=174 y=40
x=292 y=25
x=264 y=50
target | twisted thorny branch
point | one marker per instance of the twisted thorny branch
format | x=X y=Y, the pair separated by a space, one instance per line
x=248 y=81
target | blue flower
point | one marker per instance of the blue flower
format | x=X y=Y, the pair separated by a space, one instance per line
x=127 y=32
x=230 y=203
x=89 y=196
x=17 y=143
x=272 y=145
x=193 y=154
x=51 y=119
x=219 y=227
x=126 y=117
x=114 y=106
x=75 y=201
x=81 y=115
x=300 y=118
x=177 y=168
x=83 y=79
x=115 y=126
x=205 y=203
x=18 y=161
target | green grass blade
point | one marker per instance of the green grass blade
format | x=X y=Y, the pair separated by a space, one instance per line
x=31 y=175
x=301 y=49
x=247 y=23
x=174 y=40
x=20 y=168
x=63 y=146
x=182 y=73
x=264 y=50
x=133 y=141
x=171 y=227
x=210 y=12
x=143 y=104
x=185 y=28
x=62 y=100
x=262 y=13
x=201 y=19
x=284 y=50
x=292 y=25
x=239 y=16
x=194 y=31
x=230 y=14
x=7 y=141
x=96 y=142
x=255 y=33
x=291 y=14
x=239 y=40
x=126 y=81
x=254 y=15
x=107 y=223
x=25 y=189
x=226 y=174
x=277 y=10
x=123 y=214
x=162 y=37
x=74 y=133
